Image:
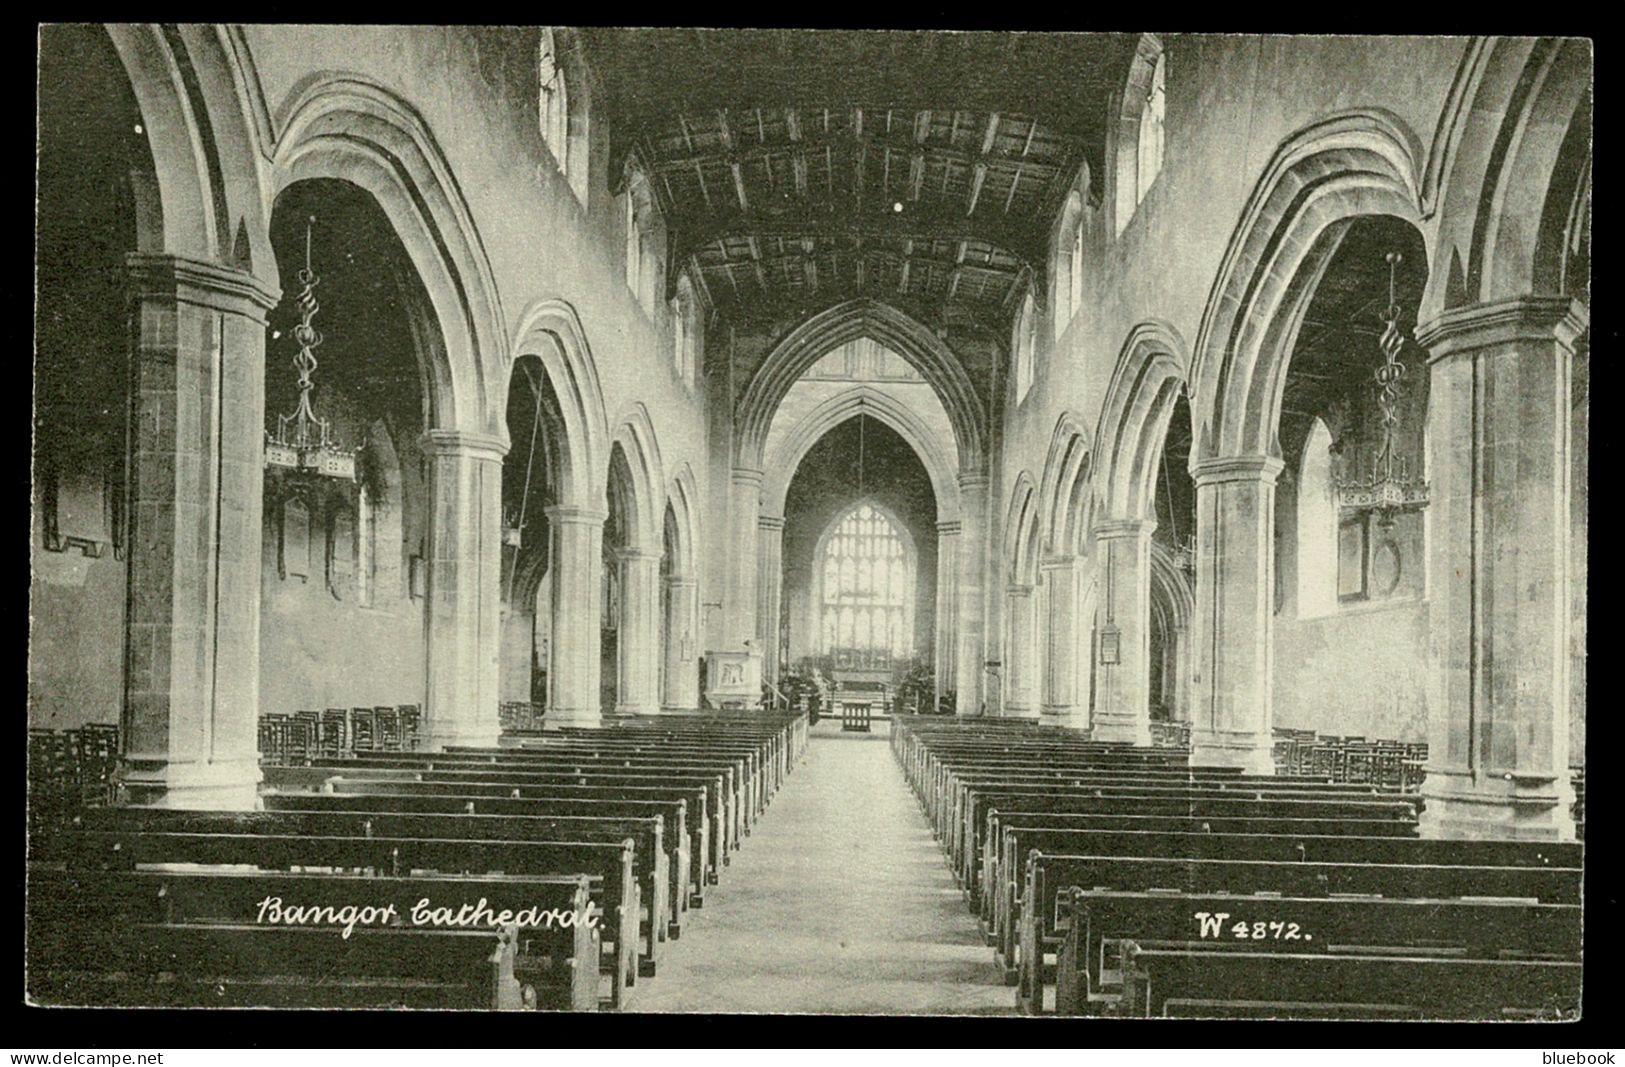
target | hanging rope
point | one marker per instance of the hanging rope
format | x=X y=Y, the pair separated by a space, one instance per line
x=524 y=496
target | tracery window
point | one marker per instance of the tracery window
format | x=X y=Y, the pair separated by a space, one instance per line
x=866 y=575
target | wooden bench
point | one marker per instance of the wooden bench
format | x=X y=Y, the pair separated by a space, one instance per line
x=1172 y=982
x=190 y=938
x=1047 y=875
x=610 y=866
x=685 y=849
x=1089 y=972
x=652 y=865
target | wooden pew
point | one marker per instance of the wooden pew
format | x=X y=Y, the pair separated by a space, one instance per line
x=686 y=848
x=1181 y=982
x=1088 y=972
x=1177 y=870
x=611 y=866
x=332 y=776
x=651 y=864
x=1011 y=837
x=185 y=938
x=1107 y=800
x=467 y=792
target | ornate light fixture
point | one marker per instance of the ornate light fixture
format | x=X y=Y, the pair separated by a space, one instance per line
x=303 y=442
x=1389 y=488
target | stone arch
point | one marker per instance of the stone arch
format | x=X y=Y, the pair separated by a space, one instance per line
x=782 y=463
x=1508 y=161
x=198 y=97
x=682 y=496
x=551 y=331
x=647 y=502
x=1149 y=377
x=1173 y=602
x=1063 y=494
x=1020 y=527
x=1174 y=586
x=1316 y=184
x=834 y=326
x=344 y=126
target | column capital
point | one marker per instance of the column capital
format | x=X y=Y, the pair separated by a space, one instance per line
x=1123 y=529
x=1057 y=563
x=1018 y=589
x=682 y=581
x=747 y=475
x=948 y=528
x=770 y=522
x=565 y=515
x=635 y=555
x=463 y=443
x=972 y=480
x=1526 y=318
x=1237 y=469
x=194 y=281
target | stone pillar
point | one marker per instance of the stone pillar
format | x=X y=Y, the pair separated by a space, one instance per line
x=971 y=588
x=1232 y=631
x=196 y=493
x=637 y=685
x=745 y=503
x=682 y=645
x=1499 y=619
x=576 y=571
x=945 y=645
x=463 y=639
x=1020 y=653
x=769 y=589
x=1123 y=688
x=1059 y=616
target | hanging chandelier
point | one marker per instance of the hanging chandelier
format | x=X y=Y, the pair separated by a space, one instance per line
x=303 y=442
x=1389 y=488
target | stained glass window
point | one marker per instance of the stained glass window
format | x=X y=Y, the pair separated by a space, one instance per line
x=867 y=572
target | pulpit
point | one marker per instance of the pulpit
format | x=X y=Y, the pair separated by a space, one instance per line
x=733 y=679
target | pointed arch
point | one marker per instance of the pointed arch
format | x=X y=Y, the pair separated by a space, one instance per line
x=1020 y=526
x=1172 y=586
x=1149 y=377
x=1317 y=183
x=636 y=436
x=195 y=90
x=1509 y=157
x=1062 y=494
x=347 y=127
x=785 y=457
x=834 y=326
x=682 y=496
x=551 y=331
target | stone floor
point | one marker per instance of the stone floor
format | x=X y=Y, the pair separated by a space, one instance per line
x=839 y=901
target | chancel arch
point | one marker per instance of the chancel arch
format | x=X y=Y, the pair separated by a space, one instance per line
x=860 y=502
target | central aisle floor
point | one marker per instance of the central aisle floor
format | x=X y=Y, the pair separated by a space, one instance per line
x=839 y=901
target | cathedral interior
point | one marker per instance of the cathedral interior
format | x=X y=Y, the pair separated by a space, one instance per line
x=604 y=423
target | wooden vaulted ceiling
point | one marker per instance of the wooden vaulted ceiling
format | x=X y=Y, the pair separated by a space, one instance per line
x=796 y=168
